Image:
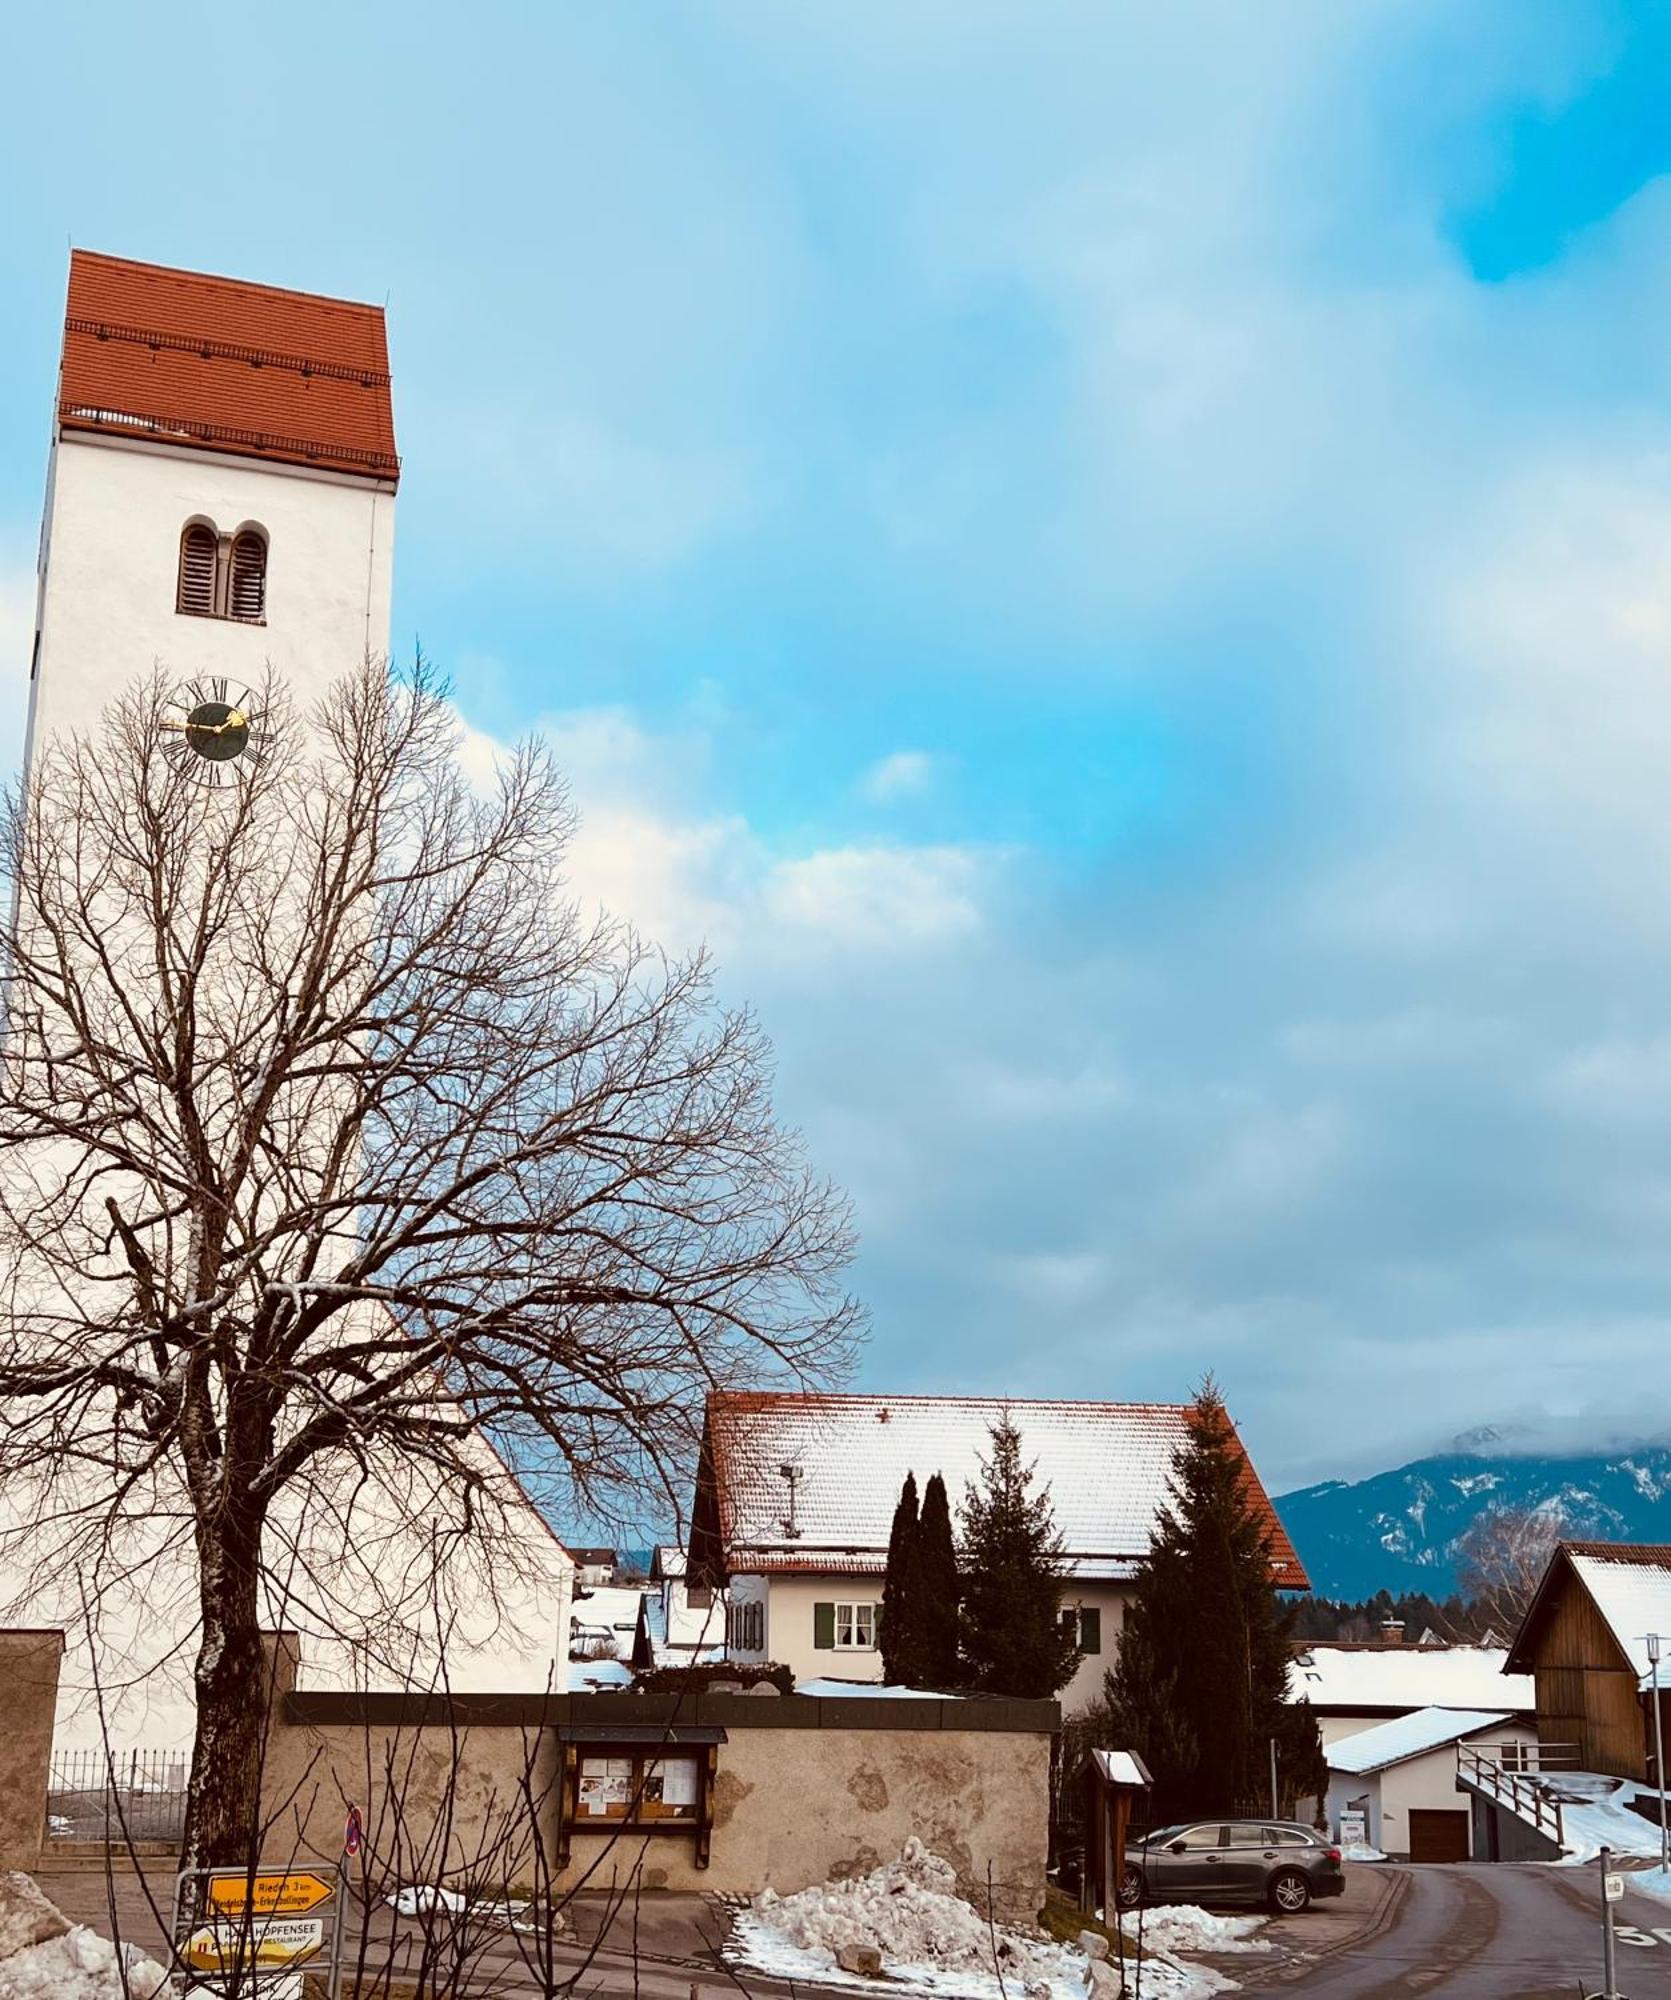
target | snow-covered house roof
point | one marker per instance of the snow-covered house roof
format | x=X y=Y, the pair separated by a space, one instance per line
x=1630 y=1585
x=1410 y=1736
x=805 y=1482
x=667 y=1563
x=1343 y=1679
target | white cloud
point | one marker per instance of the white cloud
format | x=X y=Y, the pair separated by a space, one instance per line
x=886 y=898
x=902 y=774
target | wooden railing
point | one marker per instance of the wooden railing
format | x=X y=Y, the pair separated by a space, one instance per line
x=1514 y=1775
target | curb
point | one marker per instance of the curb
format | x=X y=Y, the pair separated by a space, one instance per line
x=1377 y=1924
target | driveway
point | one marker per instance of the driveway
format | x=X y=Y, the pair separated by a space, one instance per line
x=1477 y=1932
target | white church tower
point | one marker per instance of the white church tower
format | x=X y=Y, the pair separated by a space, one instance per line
x=221 y=497
x=220 y=506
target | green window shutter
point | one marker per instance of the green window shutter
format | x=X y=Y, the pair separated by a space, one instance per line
x=823 y=1626
x=1090 y=1629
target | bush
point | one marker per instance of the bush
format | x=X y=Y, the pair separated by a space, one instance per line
x=699 y=1679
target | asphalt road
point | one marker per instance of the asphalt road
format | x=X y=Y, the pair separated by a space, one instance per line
x=1477 y=1932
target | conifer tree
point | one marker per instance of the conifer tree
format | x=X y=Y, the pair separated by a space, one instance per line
x=938 y=1590
x=1201 y=1683
x=1013 y=1638
x=898 y=1636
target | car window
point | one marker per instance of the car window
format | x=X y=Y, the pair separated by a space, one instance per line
x=1161 y=1835
x=1287 y=1836
x=1244 y=1834
x=1193 y=1838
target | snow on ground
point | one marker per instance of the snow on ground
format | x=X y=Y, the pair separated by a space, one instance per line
x=827 y=1687
x=1602 y=1816
x=1179 y=1927
x=931 y=1941
x=1652 y=1882
x=81 y=1965
x=1359 y=1852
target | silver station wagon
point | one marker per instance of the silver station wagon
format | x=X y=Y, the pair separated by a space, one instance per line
x=1275 y=1863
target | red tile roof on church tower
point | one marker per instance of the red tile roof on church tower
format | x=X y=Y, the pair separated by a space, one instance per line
x=218 y=364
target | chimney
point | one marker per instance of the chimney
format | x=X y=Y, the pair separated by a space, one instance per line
x=1392 y=1631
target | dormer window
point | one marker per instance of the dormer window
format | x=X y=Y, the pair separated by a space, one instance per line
x=222 y=576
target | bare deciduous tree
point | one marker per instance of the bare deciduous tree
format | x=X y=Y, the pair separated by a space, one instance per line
x=336 y=1140
x=1502 y=1558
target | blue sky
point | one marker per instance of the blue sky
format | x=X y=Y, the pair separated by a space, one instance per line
x=1115 y=561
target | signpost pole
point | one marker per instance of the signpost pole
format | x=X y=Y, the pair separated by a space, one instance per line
x=1659 y=1761
x=1275 y=1807
x=1609 y=1966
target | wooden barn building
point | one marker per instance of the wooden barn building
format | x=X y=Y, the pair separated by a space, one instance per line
x=1601 y=1610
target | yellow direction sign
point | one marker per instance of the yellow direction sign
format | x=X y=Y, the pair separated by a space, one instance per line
x=235 y=1892
x=262 y=1945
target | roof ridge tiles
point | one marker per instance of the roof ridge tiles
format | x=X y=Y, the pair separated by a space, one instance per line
x=245 y=286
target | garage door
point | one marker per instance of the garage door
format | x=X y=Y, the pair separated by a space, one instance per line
x=1438 y=1836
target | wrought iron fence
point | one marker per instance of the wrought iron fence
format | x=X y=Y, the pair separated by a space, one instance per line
x=116 y=1795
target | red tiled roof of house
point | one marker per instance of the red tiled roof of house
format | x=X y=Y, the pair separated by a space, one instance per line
x=219 y=364
x=1108 y=1467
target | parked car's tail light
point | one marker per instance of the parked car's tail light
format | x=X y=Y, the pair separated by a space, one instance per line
x=1334 y=1853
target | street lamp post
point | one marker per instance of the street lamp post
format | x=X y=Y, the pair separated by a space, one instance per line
x=1659 y=1759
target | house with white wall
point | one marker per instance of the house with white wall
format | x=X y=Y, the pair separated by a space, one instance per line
x=1400 y=1779
x=796 y=1492
x=681 y=1622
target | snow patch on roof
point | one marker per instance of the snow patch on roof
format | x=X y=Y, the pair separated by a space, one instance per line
x=1409 y=1736
x=1635 y=1599
x=1364 y=1678
x=1108 y=1467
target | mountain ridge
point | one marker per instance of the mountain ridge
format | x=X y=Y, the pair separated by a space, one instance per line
x=1398 y=1530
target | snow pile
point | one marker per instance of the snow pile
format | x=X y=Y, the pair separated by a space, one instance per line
x=45 y=1957
x=1652 y=1882
x=1359 y=1852
x=1175 y=1927
x=930 y=1940
x=81 y=1965
x=423 y=1899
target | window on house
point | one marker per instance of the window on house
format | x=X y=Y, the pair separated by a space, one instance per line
x=247 y=587
x=699 y=1596
x=1085 y=1622
x=199 y=564
x=849 y=1627
x=745 y=1627
x=222 y=577
x=855 y=1628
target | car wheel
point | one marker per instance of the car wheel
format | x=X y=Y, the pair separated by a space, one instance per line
x=1131 y=1889
x=1290 y=1892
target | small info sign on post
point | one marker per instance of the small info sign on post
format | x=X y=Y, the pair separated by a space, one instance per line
x=255 y=1930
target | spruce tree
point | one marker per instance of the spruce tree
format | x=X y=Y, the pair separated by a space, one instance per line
x=900 y=1590
x=1013 y=1639
x=938 y=1591
x=1201 y=1683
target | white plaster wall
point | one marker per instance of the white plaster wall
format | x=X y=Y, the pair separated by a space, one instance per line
x=789 y=1629
x=110 y=559
x=1111 y=1599
x=1335 y=1728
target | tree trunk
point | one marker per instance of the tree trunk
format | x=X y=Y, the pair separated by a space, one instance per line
x=223 y=1802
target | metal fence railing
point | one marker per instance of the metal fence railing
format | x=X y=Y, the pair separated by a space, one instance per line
x=116 y=1795
x=1521 y=1776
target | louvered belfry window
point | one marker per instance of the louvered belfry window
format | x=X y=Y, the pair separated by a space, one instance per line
x=199 y=546
x=247 y=597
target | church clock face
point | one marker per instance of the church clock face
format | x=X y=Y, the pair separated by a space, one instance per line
x=214 y=728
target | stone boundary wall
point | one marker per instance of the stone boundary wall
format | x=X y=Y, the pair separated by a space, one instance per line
x=807 y=1789
x=30 y=1662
